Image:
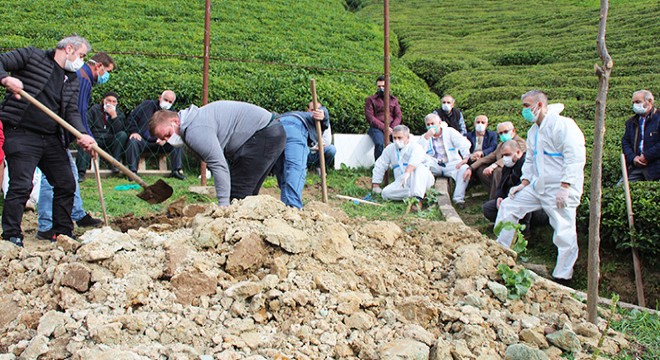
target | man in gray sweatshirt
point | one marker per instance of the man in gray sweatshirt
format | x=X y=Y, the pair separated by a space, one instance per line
x=239 y=142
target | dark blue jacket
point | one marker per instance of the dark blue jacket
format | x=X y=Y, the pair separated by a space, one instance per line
x=632 y=137
x=490 y=141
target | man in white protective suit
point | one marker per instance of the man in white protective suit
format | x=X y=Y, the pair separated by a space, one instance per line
x=447 y=152
x=552 y=179
x=411 y=177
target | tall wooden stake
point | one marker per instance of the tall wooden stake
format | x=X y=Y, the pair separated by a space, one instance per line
x=319 y=134
x=205 y=77
x=386 y=73
x=603 y=73
x=637 y=264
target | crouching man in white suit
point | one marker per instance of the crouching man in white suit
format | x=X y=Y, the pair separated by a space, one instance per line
x=447 y=152
x=411 y=177
x=552 y=179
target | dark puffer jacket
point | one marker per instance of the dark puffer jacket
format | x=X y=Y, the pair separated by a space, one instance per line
x=33 y=67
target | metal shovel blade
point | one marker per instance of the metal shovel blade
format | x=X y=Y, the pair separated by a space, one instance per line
x=156 y=193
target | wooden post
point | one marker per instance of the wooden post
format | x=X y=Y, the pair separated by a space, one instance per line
x=386 y=73
x=319 y=134
x=205 y=76
x=603 y=73
x=637 y=264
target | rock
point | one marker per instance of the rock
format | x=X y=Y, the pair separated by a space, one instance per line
x=349 y=303
x=385 y=232
x=207 y=235
x=587 y=329
x=106 y=333
x=67 y=244
x=460 y=350
x=441 y=350
x=534 y=338
x=279 y=232
x=176 y=253
x=333 y=244
x=499 y=291
x=467 y=263
x=258 y=208
x=76 y=276
x=9 y=309
x=249 y=253
x=418 y=309
x=243 y=290
x=37 y=347
x=565 y=340
x=103 y=353
x=523 y=352
x=404 y=349
x=360 y=321
x=102 y=244
x=190 y=285
x=416 y=332
x=50 y=321
x=328 y=282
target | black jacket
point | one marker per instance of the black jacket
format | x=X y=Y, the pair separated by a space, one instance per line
x=101 y=125
x=33 y=67
x=510 y=178
x=632 y=137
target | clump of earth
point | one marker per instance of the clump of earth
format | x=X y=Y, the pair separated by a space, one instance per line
x=259 y=280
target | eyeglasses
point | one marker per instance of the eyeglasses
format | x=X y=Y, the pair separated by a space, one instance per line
x=503 y=132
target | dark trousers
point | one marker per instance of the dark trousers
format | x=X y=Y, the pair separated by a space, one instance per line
x=253 y=161
x=113 y=144
x=25 y=151
x=536 y=218
x=136 y=147
x=378 y=138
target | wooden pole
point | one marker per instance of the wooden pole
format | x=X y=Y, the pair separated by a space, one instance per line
x=95 y=164
x=319 y=134
x=637 y=264
x=205 y=78
x=386 y=73
x=603 y=73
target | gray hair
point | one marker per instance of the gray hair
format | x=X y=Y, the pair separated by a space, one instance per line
x=647 y=95
x=511 y=144
x=432 y=116
x=508 y=124
x=401 y=128
x=537 y=95
x=75 y=40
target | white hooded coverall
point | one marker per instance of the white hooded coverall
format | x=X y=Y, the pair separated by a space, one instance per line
x=457 y=147
x=555 y=154
x=420 y=180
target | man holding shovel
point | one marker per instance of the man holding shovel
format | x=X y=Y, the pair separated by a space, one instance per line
x=33 y=139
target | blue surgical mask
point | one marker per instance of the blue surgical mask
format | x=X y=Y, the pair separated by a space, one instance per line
x=433 y=127
x=528 y=115
x=505 y=137
x=103 y=78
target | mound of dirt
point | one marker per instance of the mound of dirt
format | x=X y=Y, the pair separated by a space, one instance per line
x=259 y=280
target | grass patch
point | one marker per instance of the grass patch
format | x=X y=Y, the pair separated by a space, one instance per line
x=644 y=328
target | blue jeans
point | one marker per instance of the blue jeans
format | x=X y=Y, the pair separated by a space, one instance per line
x=45 y=205
x=291 y=167
x=378 y=138
x=329 y=151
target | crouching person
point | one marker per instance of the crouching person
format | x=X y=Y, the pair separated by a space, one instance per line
x=411 y=177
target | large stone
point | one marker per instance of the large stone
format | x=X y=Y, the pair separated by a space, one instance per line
x=279 y=232
x=565 y=340
x=258 y=208
x=209 y=234
x=360 y=321
x=106 y=333
x=418 y=309
x=441 y=350
x=76 y=276
x=50 y=321
x=499 y=291
x=534 y=338
x=190 y=285
x=467 y=263
x=404 y=349
x=103 y=353
x=176 y=254
x=385 y=232
x=102 y=244
x=416 y=332
x=348 y=303
x=524 y=352
x=249 y=253
x=587 y=329
x=243 y=290
x=334 y=244
x=38 y=346
x=9 y=309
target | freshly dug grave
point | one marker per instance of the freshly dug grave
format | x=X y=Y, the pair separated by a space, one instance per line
x=258 y=280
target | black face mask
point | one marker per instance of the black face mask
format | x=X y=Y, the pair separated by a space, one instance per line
x=380 y=92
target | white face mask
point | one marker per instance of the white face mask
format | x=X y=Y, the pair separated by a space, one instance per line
x=508 y=161
x=109 y=107
x=446 y=107
x=399 y=144
x=175 y=140
x=480 y=127
x=165 y=105
x=639 y=108
x=73 y=66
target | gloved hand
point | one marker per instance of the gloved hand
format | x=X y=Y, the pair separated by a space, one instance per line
x=376 y=189
x=514 y=190
x=562 y=197
x=404 y=179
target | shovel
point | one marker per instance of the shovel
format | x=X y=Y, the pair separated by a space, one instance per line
x=154 y=194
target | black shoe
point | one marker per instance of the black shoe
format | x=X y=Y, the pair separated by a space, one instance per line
x=89 y=221
x=45 y=235
x=564 y=282
x=114 y=170
x=81 y=177
x=16 y=241
x=177 y=174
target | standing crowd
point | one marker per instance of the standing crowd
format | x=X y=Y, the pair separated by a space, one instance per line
x=536 y=180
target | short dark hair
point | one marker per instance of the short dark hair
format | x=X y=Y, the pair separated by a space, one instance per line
x=160 y=117
x=103 y=58
x=111 y=93
x=381 y=78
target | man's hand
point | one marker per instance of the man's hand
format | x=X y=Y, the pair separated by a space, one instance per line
x=13 y=84
x=499 y=202
x=640 y=161
x=463 y=162
x=86 y=142
x=467 y=175
x=562 y=197
x=318 y=115
x=476 y=155
x=375 y=188
x=404 y=179
x=430 y=132
x=112 y=111
x=135 y=136
x=514 y=190
x=489 y=170
x=161 y=142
